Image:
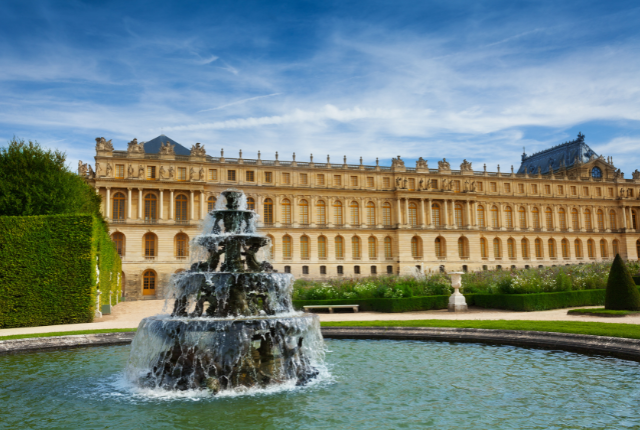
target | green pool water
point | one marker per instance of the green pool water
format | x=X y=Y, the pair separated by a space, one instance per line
x=369 y=385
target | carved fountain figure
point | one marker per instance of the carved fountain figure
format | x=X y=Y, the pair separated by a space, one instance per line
x=233 y=325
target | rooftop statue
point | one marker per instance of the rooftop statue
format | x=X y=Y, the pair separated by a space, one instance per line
x=135 y=147
x=167 y=148
x=444 y=165
x=198 y=151
x=466 y=166
x=103 y=145
x=421 y=163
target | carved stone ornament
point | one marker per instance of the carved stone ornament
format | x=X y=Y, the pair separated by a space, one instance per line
x=444 y=165
x=192 y=174
x=140 y=171
x=636 y=174
x=109 y=169
x=166 y=148
x=201 y=173
x=465 y=166
x=171 y=172
x=422 y=163
x=83 y=169
x=131 y=171
x=397 y=162
x=90 y=172
x=135 y=147
x=163 y=172
x=197 y=150
x=103 y=145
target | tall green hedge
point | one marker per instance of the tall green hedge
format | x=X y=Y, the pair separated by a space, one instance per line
x=48 y=269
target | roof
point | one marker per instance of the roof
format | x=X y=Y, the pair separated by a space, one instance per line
x=566 y=154
x=153 y=146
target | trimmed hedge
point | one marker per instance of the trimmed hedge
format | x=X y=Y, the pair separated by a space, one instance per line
x=48 y=269
x=384 y=305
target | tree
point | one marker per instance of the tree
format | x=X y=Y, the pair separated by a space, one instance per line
x=622 y=293
x=35 y=181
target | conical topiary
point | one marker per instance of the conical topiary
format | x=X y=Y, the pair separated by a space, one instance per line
x=622 y=293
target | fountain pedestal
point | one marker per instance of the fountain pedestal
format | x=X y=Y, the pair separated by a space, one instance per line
x=457 y=302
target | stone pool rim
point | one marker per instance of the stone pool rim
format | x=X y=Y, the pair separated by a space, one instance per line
x=625 y=348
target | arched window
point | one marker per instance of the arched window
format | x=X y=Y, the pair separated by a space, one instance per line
x=612 y=220
x=578 y=248
x=322 y=247
x=286 y=211
x=457 y=214
x=508 y=217
x=480 y=213
x=270 y=250
x=386 y=214
x=286 y=247
x=596 y=173
x=435 y=214
x=304 y=212
x=575 y=220
x=494 y=217
x=118 y=206
x=591 y=248
x=373 y=248
x=416 y=248
x=522 y=215
x=149 y=283
x=439 y=245
x=150 y=241
x=268 y=211
x=552 y=248
x=304 y=247
x=118 y=240
x=388 y=248
x=151 y=207
x=355 y=213
x=565 y=248
x=538 y=248
x=339 y=247
x=600 y=220
x=321 y=212
x=587 y=219
x=211 y=203
x=563 y=219
x=484 y=253
x=337 y=213
x=355 y=247
x=181 y=207
x=413 y=214
x=604 y=249
x=181 y=244
x=525 y=248
x=511 y=247
x=497 y=251
x=536 y=217
x=251 y=204
x=463 y=247
x=549 y=218
x=371 y=214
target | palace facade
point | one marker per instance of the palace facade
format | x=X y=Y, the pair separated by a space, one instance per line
x=564 y=205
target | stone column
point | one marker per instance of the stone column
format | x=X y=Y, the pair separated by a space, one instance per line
x=139 y=203
x=528 y=216
x=446 y=213
x=468 y=220
x=161 y=192
x=624 y=214
x=423 y=218
x=192 y=205
x=294 y=211
x=379 y=220
x=429 y=214
x=474 y=221
x=203 y=204
x=556 y=227
x=171 y=206
x=399 y=213
x=406 y=211
x=129 y=203
x=108 y=203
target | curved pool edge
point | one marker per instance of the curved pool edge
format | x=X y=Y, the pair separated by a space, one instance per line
x=587 y=344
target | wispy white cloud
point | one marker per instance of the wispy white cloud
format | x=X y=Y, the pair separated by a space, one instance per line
x=239 y=102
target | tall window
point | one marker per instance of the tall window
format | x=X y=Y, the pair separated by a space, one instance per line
x=494 y=217
x=181 y=207
x=304 y=212
x=575 y=221
x=286 y=211
x=565 y=248
x=268 y=177
x=439 y=245
x=339 y=247
x=483 y=248
x=600 y=220
x=480 y=211
x=587 y=219
x=149 y=245
x=511 y=247
x=118 y=240
x=536 y=217
x=538 y=248
x=604 y=249
x=150 y=207
x=322 y=247
x=355 y=213
x=497 y=251
x=373 y=248
x=525 y=248
x=286 y=247
x=321 y=212
x=268 y=211
x=211 y=203
x=118 y=206
x=508 y=215
x=182 y=173
x=355 y=247
x=286 y=178
x=415 y=247
x=320 y=179
x=388 y=249
x=591 y=248
x=304 y=247
x=612 y=220
x=151 y=173
x=615 y=247
x=149 y=283
x=435 y=214
x=386 y=214
x=552 y=248
x=371 y=214
x=119 y=171
x=251 y=204
x=563 y=219
x=458 y=214
x=463 y=248
x=181 y=245
x=337 y=213
x=522 y=215
x=549 y=218
x=578 y=248
x=413 y=214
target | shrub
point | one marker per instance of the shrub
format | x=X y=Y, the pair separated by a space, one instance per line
x=622 y=293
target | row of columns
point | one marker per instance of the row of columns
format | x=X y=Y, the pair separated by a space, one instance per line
x=160 y=192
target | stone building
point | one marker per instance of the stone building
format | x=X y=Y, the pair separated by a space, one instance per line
x=565 y=205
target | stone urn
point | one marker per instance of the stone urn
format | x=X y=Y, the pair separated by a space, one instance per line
x=457 y=302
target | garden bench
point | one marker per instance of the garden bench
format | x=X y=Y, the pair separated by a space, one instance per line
x=332 y=307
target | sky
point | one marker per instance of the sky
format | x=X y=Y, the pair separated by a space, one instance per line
x=476 y=80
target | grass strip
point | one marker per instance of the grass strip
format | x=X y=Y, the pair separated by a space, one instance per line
x=630 y=331
x=601 y=311
x=66 y=333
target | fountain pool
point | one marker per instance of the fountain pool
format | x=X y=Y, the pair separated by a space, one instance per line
x=372 y=384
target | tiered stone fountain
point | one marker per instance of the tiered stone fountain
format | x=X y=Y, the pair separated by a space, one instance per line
x=231 y=328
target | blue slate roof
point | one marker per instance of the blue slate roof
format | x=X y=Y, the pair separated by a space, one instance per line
x=564 y=154
x=153 y=146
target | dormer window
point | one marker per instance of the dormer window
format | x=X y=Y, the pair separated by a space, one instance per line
x=596 y=173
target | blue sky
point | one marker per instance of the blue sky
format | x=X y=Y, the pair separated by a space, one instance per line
x=474 y=79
